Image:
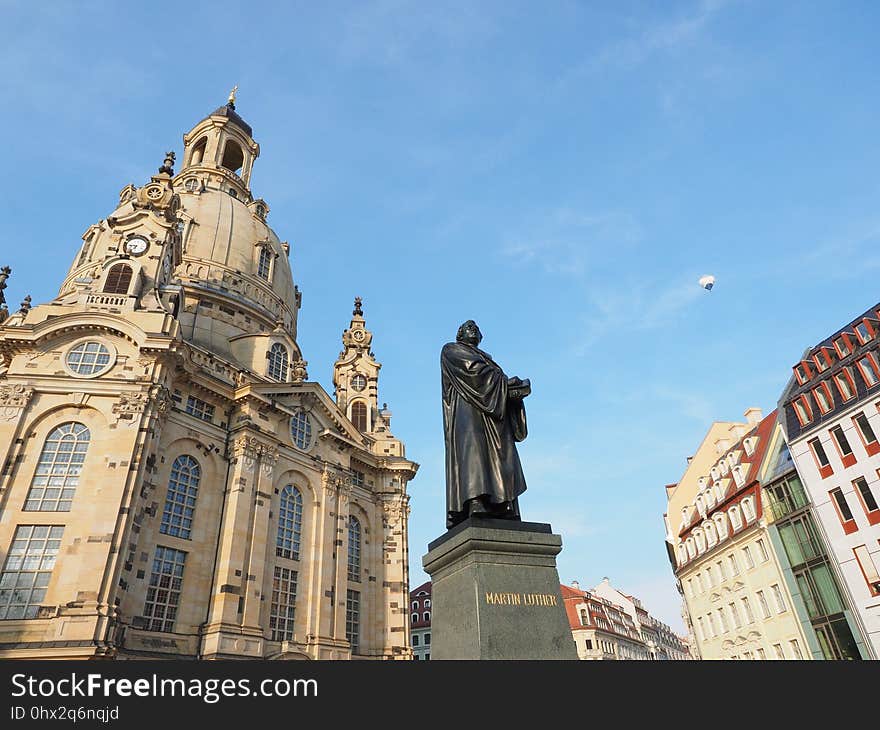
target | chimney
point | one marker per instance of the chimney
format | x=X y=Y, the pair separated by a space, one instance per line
x=753 y=415
x=575 y=585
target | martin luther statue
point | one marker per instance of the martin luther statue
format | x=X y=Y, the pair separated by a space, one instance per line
x=483 y=418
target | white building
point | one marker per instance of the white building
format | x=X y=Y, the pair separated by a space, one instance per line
x=829 y=412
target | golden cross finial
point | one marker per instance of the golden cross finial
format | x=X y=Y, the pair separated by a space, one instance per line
x=231 y=99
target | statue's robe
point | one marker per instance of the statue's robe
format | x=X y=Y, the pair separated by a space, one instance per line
x=481 y=427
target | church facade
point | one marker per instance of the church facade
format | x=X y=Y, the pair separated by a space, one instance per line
x=171 y=483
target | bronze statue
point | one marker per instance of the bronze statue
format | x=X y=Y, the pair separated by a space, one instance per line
x=483 y=417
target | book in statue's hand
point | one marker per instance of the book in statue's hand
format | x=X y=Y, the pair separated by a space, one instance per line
x=517 y=388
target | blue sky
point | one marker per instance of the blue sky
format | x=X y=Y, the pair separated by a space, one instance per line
x=560 y=172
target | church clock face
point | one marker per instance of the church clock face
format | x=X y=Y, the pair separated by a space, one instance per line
x=358 y=335
x=358 y=381
x=136 y=245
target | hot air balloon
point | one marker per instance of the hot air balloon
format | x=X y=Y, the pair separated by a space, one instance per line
x=707 y=282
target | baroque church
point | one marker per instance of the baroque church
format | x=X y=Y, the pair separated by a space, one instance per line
x=171 y=483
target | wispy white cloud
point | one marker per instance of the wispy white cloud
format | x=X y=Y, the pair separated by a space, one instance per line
x=662 y=36
x=567 y=241
x=636 y=304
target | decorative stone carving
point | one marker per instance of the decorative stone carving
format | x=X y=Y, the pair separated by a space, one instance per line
x=131 y=403
x=250 y=450
x=298 y=371
x=393 y=510
x=13 y=398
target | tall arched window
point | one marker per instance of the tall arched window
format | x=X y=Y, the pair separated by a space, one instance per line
x=233 y=157
x=278 y=362
x=118 y=279
x=58 y=469
x=198 y=153
x=354 y=549
x=180 y=503
x=264 y=265
x=359 y=415
x=289 y=523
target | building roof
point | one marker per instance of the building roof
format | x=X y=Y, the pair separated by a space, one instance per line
x=228 y=111
x=748 y=463
x=823 y=364
x=424 y=587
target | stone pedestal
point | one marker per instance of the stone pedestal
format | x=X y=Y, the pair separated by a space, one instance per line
x=495 y=592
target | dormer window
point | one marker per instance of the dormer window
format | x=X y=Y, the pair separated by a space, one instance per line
x=842 y=345
x=823 y=359
x=864 y=331
x=802 y=410
x=724 y=467
x=278 y=360
x=869 y=370
x=738 y=476
x=749 y=445
x=845 y=384
x=714 y=473
x=118 y=279
x=802 y=372
x=748 y=509
x=264 y=265
x=735 y=516
x=823 y=397
x=721 y=525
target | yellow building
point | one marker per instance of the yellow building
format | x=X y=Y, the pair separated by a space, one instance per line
x=738 y=601
x=172 y=484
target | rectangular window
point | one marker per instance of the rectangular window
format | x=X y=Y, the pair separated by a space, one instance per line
x=869 y=503
x=866 y=433
x=747 y=608
x=842 y=345
x=27 y=570
x=700 y=583
x=198 y=408
x=779 y=598
x=796 y=649
x=845 y=384
x=761 y=654
x=747 y=556
x=163 y=593
x=723 y=620
x=869 y=569
x=762 y=601
x=353 y=620
x=720 y=565
x=734 y=567
x=843 y=511
x=779 y=653
x=281 y=611
x=712 y=628
x=821 y=457
x=711 y=575
x=735 y=614
x=823 y=397
x=843 y=447
x=762 y=549
x=357 y=478
x=415 y=640
x=690 y=587
x=868 y=368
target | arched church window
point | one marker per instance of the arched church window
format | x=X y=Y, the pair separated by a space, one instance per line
x=58 y=469
x=180 y=503
x=301 y=429
x=359 y=415
x=278 y=362
x=198 y=153
x=118 y=279
x=290 y=511
x=354 y=549
x=233 y=157
x=264 y=266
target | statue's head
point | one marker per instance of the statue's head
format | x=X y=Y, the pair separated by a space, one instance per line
x=469 y=333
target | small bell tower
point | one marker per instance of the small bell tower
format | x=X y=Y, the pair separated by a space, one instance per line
x=222 y=145
x=356 y=375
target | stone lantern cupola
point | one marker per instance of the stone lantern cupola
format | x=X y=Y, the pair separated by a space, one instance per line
x=222 y=146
